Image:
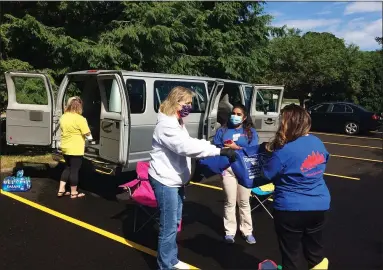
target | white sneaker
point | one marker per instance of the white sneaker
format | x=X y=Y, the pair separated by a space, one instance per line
x=181 y=265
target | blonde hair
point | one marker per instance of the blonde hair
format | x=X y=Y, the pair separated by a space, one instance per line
x=74 y=105
x=178 y=94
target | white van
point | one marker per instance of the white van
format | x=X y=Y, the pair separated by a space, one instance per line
x=121 y=108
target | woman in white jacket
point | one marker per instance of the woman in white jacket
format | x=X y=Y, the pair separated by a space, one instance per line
x=170 y=168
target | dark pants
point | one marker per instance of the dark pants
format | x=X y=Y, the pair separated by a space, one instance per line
x=300 y=229
x=72 y=169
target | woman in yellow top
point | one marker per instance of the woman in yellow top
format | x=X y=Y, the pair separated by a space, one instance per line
x=74 y=130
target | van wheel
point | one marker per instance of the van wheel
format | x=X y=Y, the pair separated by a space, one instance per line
x=351 y=128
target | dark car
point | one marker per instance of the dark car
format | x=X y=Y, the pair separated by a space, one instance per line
x=344 y=117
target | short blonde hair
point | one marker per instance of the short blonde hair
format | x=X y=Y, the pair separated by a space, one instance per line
x=74 y=105
x=178 y=94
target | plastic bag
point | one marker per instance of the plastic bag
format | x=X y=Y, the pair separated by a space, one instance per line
x=18 y=183
x=248 y=166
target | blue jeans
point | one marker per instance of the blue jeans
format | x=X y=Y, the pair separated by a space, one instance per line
x=170 y=201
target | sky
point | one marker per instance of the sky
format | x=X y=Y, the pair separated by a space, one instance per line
x=356 y=22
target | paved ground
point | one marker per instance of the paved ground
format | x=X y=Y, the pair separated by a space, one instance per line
x=92 y=233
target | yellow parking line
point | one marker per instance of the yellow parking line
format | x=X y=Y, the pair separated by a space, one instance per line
x=207 y=186
x=342 y=176
x=341 y=135
x=354 y=145
x=84 y=225
x=357 y=158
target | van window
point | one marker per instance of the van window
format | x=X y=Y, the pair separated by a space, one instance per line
x=232 y=91
x=113 y=96
x=30 y=91
x=137 y=95
x=267 y=99
x=163 y=88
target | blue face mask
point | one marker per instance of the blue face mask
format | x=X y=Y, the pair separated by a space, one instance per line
x=235 y=120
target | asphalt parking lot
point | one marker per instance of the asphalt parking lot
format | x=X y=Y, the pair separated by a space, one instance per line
x=96 y=232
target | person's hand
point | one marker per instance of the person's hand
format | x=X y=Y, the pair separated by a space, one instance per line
x=233 y=145
x=230 y=153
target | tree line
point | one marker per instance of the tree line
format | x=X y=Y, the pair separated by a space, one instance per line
x=231 y=40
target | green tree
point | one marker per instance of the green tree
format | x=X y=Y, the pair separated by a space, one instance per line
x=217 y=39
x=316 y=64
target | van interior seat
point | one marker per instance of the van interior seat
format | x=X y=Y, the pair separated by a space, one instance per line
x=224 y=110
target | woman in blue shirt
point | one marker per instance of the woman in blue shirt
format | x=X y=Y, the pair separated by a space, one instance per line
x=237 y=133
x=296 y=167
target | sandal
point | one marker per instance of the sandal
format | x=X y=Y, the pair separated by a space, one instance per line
x=77 y=195
x=62 y=193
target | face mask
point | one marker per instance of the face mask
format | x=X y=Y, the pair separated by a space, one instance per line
x=235 y=119
x=185 y=111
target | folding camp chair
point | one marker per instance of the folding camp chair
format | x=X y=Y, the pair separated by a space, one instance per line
x=151 y=213
x=266 y=192
x=140 y=193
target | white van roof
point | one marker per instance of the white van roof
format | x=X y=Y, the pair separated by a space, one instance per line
x=159 y=75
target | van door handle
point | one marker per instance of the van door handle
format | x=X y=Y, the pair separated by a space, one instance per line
x=269 y=121
x=107 y=126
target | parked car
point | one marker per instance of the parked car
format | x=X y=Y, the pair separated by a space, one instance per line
x=121 y=109
x=344 y=117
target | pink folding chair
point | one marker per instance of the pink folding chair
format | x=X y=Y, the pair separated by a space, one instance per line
x=141 y=193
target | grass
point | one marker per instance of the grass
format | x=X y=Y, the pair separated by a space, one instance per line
x=7 y=162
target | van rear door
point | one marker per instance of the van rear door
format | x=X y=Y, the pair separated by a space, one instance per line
x=114 y=118
x=29 y=115
x=265 y=110
x=210 y=118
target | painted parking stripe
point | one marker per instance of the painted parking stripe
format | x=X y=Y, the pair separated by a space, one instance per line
x=206 y=186
x=348 y=136
x=354 y=145
x=342 y=176
x=84 y=225
x=357 y=158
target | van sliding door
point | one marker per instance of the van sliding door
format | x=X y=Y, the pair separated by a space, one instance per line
x=114 y=119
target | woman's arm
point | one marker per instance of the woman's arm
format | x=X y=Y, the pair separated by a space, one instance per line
x=84 y=128
x=182 y=144
x=217 y=141
x=271 y=168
